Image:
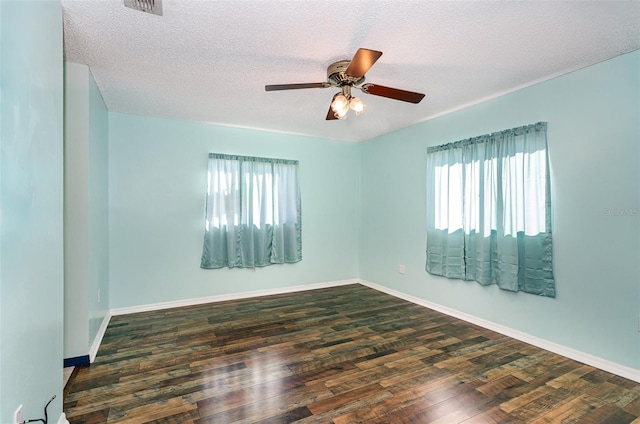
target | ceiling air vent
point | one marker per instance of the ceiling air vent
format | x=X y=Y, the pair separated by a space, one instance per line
x=150 y=6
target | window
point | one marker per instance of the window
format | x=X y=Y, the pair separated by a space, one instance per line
x=253 y=212
x=489 y=208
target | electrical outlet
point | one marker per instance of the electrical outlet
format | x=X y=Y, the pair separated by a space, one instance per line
x=401 y=269
x=17 y=416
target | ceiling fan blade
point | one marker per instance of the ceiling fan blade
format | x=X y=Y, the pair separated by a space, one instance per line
x=361 y=62
x=331 y=115
x=277 y=87
x=392 y=93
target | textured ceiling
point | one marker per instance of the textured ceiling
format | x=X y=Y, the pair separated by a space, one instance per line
x=209 y=61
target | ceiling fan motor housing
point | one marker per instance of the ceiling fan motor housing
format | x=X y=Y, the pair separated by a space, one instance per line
x=336 y=74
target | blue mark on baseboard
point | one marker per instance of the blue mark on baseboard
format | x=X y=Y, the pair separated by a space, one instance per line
x=77 y=361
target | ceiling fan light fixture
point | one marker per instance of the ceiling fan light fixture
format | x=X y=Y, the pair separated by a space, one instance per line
x=356 y=105
x=340 y=103
x=341 y=113
x=340 y=106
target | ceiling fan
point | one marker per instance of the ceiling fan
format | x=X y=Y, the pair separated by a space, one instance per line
x=348 y=74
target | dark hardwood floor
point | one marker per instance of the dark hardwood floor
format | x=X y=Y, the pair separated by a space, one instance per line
x=343 y=355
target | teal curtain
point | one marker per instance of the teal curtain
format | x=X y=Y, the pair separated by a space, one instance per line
x=253 y=212
x=489 y=210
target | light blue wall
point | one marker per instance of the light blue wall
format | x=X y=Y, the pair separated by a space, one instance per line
x=157 y=183
x=98 y=209
x=86 y=210
x=76 y=210
x=31 y=155
x=594 y=148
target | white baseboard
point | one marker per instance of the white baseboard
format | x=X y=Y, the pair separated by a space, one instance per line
x=612 y=367
x=63 y=419
x=93 y=351
x=225 y=297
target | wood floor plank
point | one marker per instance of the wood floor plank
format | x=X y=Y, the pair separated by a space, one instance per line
x=258 y=405
x=570 y=411
x=493 y=415
x=339 y=355
x=607 y=414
